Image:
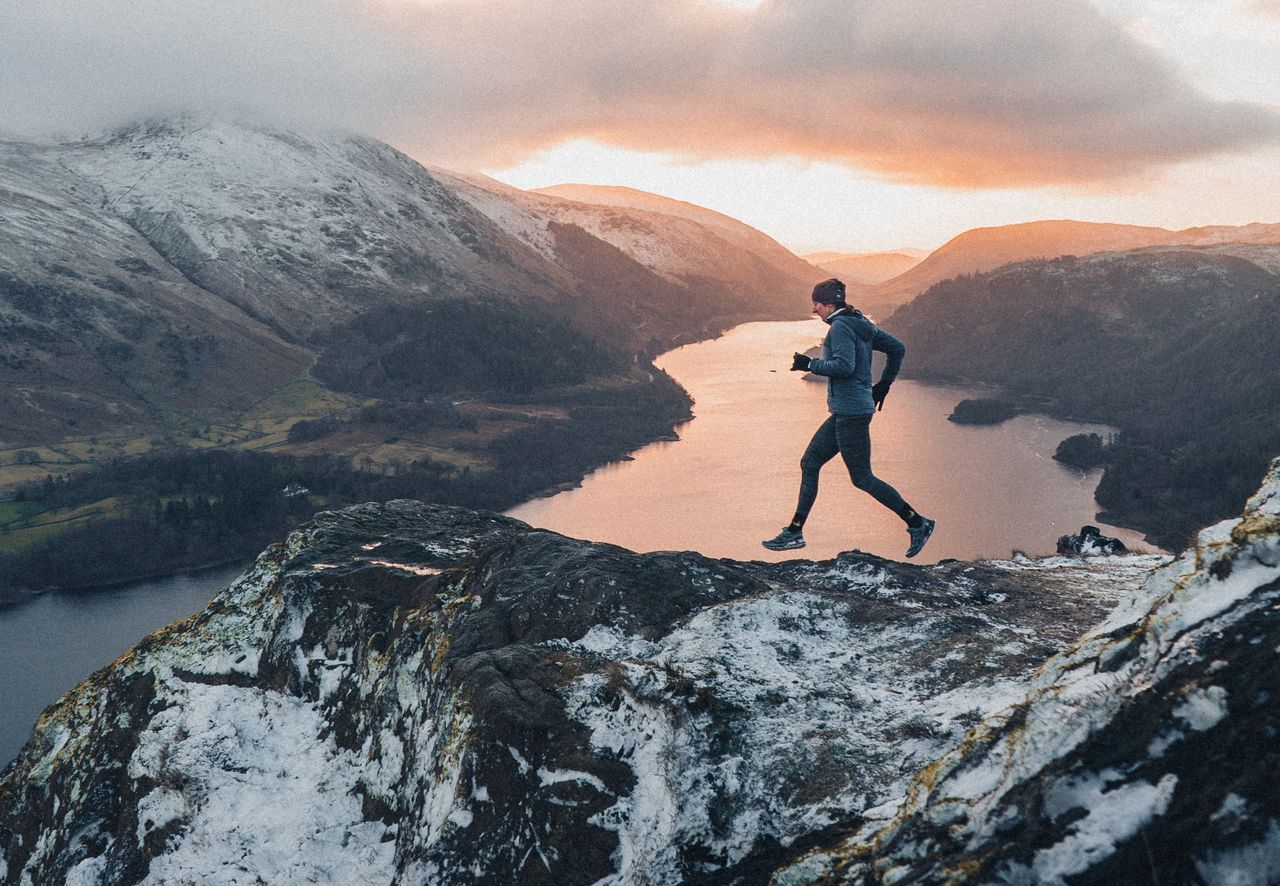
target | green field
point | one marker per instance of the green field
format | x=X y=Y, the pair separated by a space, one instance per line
x=25 y=523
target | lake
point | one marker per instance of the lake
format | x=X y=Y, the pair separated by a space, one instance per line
x=727 y=483
x=732 y=478
x=51 y=643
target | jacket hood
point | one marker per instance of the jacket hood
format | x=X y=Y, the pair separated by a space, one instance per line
x=865 y=328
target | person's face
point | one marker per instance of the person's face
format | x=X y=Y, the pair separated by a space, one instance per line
x=823 y=310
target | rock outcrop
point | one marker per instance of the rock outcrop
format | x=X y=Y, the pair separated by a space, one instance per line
x=1090 y=541
x=411 y=693
x=1145 y=753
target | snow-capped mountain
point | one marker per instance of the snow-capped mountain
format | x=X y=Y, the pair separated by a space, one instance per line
x=760 y=261
x=188 y=264
x=99 y=330
x=694 y=248
x=302 y=230
x=418 y=694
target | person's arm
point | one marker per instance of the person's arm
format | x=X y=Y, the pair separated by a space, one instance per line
x=844 y=353
x=893 y=349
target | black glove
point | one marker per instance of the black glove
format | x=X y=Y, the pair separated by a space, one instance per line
x=800 y=363
x=879 y=391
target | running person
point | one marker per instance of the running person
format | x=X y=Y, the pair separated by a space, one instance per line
x=852 y=401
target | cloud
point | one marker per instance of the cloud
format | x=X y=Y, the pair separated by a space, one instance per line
x=1264 y=8
x=978 y=94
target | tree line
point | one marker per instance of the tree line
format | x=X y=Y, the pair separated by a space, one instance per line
x=1180 y=350
x=186 y=508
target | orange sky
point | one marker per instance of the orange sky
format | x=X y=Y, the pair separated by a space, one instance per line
x=830 y=124
x=1202 y=59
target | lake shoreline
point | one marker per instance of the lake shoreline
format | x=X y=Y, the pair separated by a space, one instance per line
x=600 y=436
x=1155 y=531
x=27 y=596
x=742 y=455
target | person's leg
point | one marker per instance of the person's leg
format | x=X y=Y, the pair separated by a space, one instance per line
x=853 y=436
x=821 y=449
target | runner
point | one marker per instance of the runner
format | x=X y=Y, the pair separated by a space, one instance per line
x=852 y=401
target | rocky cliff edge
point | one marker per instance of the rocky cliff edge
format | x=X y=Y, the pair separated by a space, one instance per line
x=409 y=693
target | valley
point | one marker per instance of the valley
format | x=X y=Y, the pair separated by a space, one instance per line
x=224 y=492
x=196 y=287
x=201 y=289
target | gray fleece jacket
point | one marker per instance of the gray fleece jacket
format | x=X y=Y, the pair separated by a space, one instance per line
x=846 y=361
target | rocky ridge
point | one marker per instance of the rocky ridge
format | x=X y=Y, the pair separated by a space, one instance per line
x=417 y=694
x=1145 y=753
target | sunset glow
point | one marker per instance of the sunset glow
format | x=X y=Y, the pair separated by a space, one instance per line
x=830 y=125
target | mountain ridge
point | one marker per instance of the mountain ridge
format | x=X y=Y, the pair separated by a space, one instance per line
x=986 y=248
x=865 y=268
x=422 y=694
x=1175 y=346
x=279 y=238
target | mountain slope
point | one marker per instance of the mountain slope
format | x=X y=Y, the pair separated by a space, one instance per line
x=716 y=258
x=303 y=231
x=1179 y=348
x=730 y=229
x=100 y=332
x=864 y=268
x=984 y=249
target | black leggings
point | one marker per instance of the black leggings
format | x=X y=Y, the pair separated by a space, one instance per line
x=850 y=435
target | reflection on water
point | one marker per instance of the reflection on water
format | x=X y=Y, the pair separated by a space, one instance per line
x=731 y=479
x=51 y=643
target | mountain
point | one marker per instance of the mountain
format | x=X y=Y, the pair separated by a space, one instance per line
x=186 y=265
x=302 y=230
x=723 y=271
x=418 y=694
x=100 y=331
x=684 y=242
x=730 y=229
x=865 y=267
x=1179 y=348
x=984 y=249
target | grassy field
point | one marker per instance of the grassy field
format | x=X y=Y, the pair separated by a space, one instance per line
x=264 y=427
x=29 y=522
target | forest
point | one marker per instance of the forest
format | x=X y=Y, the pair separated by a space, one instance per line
x=182 y=508
x=1179 y=350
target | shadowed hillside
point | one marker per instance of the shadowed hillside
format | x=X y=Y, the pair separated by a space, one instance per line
x=1179 y=349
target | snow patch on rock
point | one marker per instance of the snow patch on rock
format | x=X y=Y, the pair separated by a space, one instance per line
x=260 y=794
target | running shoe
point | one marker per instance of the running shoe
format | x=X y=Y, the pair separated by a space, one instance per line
x=786 y=540
x=919 y=535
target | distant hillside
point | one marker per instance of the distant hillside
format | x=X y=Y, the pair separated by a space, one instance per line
x=98 y=331
x=984 y=249
x=1178 y=348
x=705 y=245
x=864 y=267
